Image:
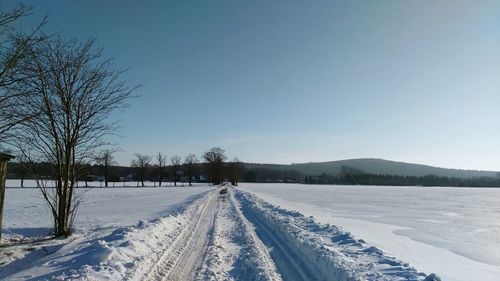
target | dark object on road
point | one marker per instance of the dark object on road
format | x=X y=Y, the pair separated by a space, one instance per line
x=223 y=191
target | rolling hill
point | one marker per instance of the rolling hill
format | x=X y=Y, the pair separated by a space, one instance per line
x=375 y=166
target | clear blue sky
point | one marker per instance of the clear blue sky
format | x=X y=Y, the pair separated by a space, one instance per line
x=297 y=81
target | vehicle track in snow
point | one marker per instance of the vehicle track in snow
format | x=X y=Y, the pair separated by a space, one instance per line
x=235 y=251
x=289 y=264
x=269 y=264
x=183 y=257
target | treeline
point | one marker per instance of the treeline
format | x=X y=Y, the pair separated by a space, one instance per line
x=95 y=172
x=263 y=175
x=213 y=168
x=177 y=170
x=351 y=176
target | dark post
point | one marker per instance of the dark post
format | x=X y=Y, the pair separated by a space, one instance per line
x=4 y=158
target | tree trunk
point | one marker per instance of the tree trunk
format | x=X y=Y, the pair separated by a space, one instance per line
x=190 y=175
x=3 y=175
x=62 y=227
x=175 y=177
x=106 y=176
x=160 y=175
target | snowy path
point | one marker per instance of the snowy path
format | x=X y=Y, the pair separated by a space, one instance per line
x=235 y=251
x=218 y=243
x=289 y=264
x=183 y=257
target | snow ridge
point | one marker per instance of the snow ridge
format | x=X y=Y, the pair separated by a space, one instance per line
x=328 y=252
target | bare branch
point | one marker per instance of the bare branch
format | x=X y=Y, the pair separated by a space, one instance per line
x=68 y=92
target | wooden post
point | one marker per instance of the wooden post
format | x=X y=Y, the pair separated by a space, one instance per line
x=4 y=158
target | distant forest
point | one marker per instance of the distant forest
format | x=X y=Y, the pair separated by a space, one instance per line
x=276 y=174
x=352 y=176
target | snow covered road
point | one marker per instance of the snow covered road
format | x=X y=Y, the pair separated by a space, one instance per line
x=183 y=256
x=203 y=251
x=290 y=265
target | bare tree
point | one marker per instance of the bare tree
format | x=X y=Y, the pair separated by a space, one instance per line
x=190 y=163
x=234 y=171
x=214 y=159
x=70 y=93
x=161 y=161
x=175 y=162
x=4 y=158
x=20 y=169
x=106 y=160
x=14 y=46
x=141 y=162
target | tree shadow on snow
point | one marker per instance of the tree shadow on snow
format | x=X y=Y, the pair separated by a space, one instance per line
x=28 y=232
x=74 y=257
x=28 y=261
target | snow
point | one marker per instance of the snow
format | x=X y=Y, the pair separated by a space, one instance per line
x=255 y=232
x=235 y=252
x=102 y=207
x=454 y=232
x=307 y=250
x=106 y=217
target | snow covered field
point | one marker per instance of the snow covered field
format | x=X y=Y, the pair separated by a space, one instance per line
x=454 y=232
x=101 y=208
x=104 y=214
x=186 y=233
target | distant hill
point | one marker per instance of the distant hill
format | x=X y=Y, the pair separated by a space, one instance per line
x=376 y=166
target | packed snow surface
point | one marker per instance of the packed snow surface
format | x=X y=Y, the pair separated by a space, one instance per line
x=454 y=232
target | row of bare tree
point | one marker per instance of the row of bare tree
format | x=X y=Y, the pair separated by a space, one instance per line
x=213 y=165
x=142 y=162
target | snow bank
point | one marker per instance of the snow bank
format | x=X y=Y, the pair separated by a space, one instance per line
x=254 y=257
x=327 y=250
x=131 y=253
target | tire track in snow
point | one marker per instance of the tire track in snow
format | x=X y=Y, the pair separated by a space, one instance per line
x=289 y=265
x=181 y=260
x=264 y=255
x=304 y=249
x=235 y=252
